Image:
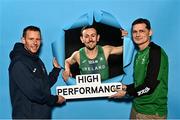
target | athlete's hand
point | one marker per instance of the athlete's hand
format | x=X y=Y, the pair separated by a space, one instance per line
x=66 y=74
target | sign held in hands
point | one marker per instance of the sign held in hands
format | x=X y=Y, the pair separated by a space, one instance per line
x=88 y=86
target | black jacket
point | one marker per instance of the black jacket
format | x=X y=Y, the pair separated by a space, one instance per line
x=30 y=85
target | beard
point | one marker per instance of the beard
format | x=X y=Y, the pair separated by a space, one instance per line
x=91 y=48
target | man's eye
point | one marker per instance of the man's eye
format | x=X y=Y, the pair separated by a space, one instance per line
x=86 y=36
x=141 y=31
x=134 y=32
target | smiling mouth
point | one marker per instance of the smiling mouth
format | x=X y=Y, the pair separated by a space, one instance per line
x=34 y=47
x=138 y=39
x=91 y=42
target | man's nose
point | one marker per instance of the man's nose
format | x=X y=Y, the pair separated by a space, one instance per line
x=90 y=39
x=137 y=34
x=35 y=42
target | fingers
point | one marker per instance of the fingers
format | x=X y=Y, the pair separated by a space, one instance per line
x=116 y=90
x=66 y=75
x=124 y=32
x=124 y=87
x=113 y=96
x=116 y=95
x=119 y=94
x=61 y=99
x=55 y=63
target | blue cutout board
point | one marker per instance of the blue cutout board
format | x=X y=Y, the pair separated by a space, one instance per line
x=87 y=19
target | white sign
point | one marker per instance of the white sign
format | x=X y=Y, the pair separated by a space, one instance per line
x=88 y=86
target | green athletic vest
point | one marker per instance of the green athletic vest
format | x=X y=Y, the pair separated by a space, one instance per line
x=98 y=65
x=155 y=103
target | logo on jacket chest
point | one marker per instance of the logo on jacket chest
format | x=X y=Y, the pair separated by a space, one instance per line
x=34 y=70
x=38 y=70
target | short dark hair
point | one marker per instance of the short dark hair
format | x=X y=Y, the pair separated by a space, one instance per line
x=32 y=28
x=142 y=20
x=89 y=26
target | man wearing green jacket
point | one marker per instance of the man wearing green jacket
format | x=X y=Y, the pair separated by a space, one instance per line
x=150 y=85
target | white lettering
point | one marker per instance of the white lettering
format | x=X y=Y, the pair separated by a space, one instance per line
x=143 y=91
x=96 y=68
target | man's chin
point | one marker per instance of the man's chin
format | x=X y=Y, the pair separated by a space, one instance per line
x=89 y=48
x=33 y=51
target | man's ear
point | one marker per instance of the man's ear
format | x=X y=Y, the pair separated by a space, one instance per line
x=98 y=37
x=81 y=38
x=150 y=33
x=23 y=40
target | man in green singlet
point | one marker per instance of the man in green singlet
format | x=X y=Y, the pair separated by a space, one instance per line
x=150 y=85
x=92 y=58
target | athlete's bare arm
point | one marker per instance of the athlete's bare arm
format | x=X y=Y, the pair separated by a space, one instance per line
x=68 y=62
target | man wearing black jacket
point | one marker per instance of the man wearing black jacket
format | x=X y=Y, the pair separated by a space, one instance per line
x=29 y=82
